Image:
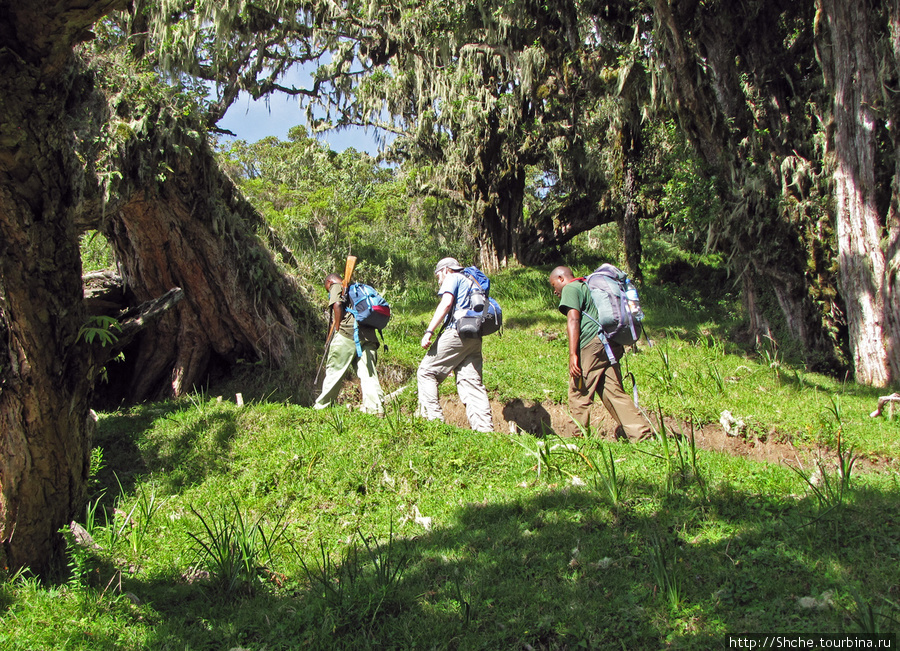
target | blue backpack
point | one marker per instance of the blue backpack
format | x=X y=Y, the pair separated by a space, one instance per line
x=369 y=308
x=484 y=317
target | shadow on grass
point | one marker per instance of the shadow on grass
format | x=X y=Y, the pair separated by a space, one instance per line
x=186 y=458
x=562 y=570
x=532 y=418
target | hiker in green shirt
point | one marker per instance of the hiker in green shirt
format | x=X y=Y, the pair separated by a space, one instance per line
x=590 y=370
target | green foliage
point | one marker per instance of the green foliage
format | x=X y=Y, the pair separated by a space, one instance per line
x=679 y=188
x=679 y=452
x=78 y=560
x=878 y=620
x=100 y=328
x=592 y=248
x=96 y=254
x=325 y=205
x=141 y=107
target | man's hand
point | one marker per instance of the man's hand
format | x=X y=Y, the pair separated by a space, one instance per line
x=440 y=315
x=575 y=368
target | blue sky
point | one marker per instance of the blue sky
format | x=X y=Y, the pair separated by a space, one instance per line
x=273 y=116
x=253 y=120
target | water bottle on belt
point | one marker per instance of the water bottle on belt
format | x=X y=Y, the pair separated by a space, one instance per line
x=634 y=303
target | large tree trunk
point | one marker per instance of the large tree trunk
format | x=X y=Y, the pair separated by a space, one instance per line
x=192 y=231
x=500 y=223
x=45 y=393
x=44 y=364
x=892 y=250
x=196 y=232
x=497 y=194
x=850 y=71
x=629 y=224
x=759 y=328
x=734 y=81
x=492 y=239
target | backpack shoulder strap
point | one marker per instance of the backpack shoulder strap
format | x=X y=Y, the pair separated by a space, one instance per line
x=473 y=282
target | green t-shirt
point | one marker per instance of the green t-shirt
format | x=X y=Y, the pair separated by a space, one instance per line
x=576 y=295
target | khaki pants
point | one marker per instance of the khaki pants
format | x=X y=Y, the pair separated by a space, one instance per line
x=599 y=377
x=449 y=354
x=341 y=354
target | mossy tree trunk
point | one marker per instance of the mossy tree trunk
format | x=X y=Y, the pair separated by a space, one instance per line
x=500 y=219
x=892 y=240
x=174 y=220
x=45 y=366
x=196 y=232
x=629 y=221
x=736 y=77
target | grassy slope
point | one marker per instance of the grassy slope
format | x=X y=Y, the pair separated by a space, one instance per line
x=400 y=533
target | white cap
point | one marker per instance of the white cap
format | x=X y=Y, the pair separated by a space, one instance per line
x=448 y=263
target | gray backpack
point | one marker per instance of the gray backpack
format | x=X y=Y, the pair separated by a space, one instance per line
x=618 y=307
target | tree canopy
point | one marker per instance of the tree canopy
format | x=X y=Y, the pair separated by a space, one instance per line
x=490 y=97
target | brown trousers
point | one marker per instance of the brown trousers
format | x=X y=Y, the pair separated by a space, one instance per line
x=599 y=377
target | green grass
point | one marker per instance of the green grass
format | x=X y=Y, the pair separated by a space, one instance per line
x=274 y=526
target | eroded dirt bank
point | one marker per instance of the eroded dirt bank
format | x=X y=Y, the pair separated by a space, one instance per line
x=549 y=419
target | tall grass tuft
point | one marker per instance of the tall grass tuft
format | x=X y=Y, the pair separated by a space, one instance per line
x=336 y=418
x=682 y=462
x=662 y=564
x=387 y=560
x=831 y=490
x=547 y=455
x=874 y=621
x=356 y=590
x=667 y=376
x=333 y=583
x=138 y=522
x=234 y=547
x=606 y=478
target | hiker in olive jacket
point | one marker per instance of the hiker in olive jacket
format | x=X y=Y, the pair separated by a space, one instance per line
x=342 y=353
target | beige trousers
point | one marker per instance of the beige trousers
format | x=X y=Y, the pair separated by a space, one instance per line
x=341 y=354
x=599 y=377
x=452 y=354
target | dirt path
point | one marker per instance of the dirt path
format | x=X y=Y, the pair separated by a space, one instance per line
x=550 y=418
x=538 y=418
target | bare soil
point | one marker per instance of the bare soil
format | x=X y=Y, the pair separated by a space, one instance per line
x=548 y=419
x=551 y=419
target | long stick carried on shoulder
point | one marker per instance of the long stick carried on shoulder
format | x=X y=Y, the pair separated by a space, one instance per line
x=348 y=273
